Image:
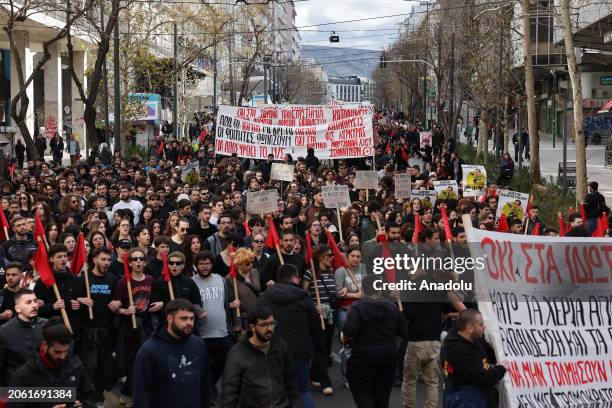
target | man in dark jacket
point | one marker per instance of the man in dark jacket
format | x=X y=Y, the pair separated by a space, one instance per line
x=259 y=370
x=595 y=206
x=171 y=368
x=470 y=377
x=372 y=327
x=54 y=366
x=21 y=336
x=298 y=323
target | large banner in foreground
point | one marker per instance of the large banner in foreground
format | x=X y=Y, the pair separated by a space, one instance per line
x=346 y=138
x=547 y=307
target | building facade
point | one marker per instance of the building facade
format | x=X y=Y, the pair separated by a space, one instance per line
x=350 y=89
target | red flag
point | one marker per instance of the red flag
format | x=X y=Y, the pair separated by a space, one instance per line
x=388 y=148
x=12 y=170
x=308 y=247
x=602 y=227
x=78 y=256
x=246 y=228
x=127 y=272
x=404 y=154
x=4 y=225
x=232 y=271
x=339 y=259
x=536 y=229
x=483 y=198
x=528 y=206
x=447 y=228
x=160 y=149
x=503 y=226
x=583 y=213
x=571 y=211
x=41 y=265
x=418 y=227
x=39 y=230
x=390 y=274
x=272 y=239
x=561 y=225
x=165 y=270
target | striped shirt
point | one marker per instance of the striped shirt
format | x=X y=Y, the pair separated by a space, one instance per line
x=326 y=284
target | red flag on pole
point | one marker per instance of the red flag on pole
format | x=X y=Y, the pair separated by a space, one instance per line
x=536 y=229
x=41 y=265
x=272 y=239
x=39 y=230
x=447 y=228
x=127 y=273
x=232 y=271
x=571 y=210
x=418 y=227
x=246 y=228
x=503 y=224
x=339 y=259
x=160 y=149
x=528 y=206
x=388 y=148
x=5 y=227
x=308 y=247
x=602 y=227
x=78 y=256
x=12 y=170
x=390 y=273
x=561 y=224
x=165 y=270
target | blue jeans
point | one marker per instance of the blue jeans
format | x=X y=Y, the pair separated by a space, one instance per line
x=302 y=372
x=345 y=353
x=591 y=224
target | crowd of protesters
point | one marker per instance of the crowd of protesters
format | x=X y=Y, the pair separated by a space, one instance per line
x=253 y=322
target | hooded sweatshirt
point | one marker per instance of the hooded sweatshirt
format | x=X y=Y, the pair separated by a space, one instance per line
x=374 y=324
x=169 y=372
x=296 y=316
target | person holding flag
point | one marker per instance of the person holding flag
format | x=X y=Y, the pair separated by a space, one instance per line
x=284 y=255
x=244 y=281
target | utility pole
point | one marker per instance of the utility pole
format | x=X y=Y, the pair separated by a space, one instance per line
x=499 y=93
x=105 y=87
x=215 y=79
x=117 y=89
x=554 y=107
x=175 y=90
x=451 y=105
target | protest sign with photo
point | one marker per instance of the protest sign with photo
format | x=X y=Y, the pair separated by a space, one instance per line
x=186 y=169
x=474 y=180
x=403 y=186
x=282 y=172
x=336 y=196
x=425 y=137
x=366 y=179
x=345 y=138
x=446 y=189
x=426 y=197
x=262 y=202
x=547 y=315
x=512 y=203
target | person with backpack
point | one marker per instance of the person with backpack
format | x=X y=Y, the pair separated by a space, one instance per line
x=595 y=206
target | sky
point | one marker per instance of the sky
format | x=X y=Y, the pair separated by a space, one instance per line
x=372 y=34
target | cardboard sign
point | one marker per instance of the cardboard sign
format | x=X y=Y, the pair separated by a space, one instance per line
x=474 y=180
x=513 y=204
x=426 y=197
x=262 y=202
x=403 y=186
x=336 y=196
x=282 y=172
x=446 y=189
x=186 y=169
x=425 y=137
x=366 y=179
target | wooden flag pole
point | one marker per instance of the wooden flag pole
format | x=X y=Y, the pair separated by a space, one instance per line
x=87 y=290
x=63 y=309
x=280 y=256
x=367 y=195
x=6 y=234
x=340 y=225
x=316 y=287
x=235 y=284
x=170 y=289
x=131 y=300
x=399 y=303
x=526 y=225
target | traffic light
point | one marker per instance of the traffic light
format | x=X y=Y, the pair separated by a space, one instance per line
x=334 y=38
x=383 y=61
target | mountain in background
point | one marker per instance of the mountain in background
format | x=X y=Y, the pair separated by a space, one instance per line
x=350 y=61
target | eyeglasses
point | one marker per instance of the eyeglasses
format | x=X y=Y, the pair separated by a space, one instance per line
x=175 y=263
x=270 y=325
x=137 y=259
x=74 y=202
x=258 y=241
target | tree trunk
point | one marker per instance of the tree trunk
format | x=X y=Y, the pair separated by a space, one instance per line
x=483 y=135
x=534 y=148
x=506 y=123
x=574 y=73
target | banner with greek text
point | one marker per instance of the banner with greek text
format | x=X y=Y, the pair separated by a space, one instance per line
x=346 y=138
x=547 y=309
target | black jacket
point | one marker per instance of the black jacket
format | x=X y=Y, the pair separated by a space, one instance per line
x=70 y=288
x=595 y=205
x=183 y=288
x=252 y=379
x=19 y=342
x=298 y=322
x=71 y=374
x=374 y=325
x=467 y=363
x=171 y=373
x=154 y=268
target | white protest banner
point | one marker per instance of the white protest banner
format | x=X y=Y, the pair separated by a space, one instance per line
x=512 y=203
x=336 y=196
x=186 y=169
x=446 y=189
x=346 y=138
x=366 y=179
x=282 y=172
x=295 y=115
x=403 y=186
x=546 y=306
x=426 y=197
x=474 y=180
x=262 y=202
x=425 y=137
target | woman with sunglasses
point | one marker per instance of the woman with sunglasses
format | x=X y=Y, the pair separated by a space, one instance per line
x=26 y=203
x=326 y=285
x=247 y=284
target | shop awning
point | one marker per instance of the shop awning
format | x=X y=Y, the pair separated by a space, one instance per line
x=606 y=107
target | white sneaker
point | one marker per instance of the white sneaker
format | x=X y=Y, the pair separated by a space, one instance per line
x=328 y=391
